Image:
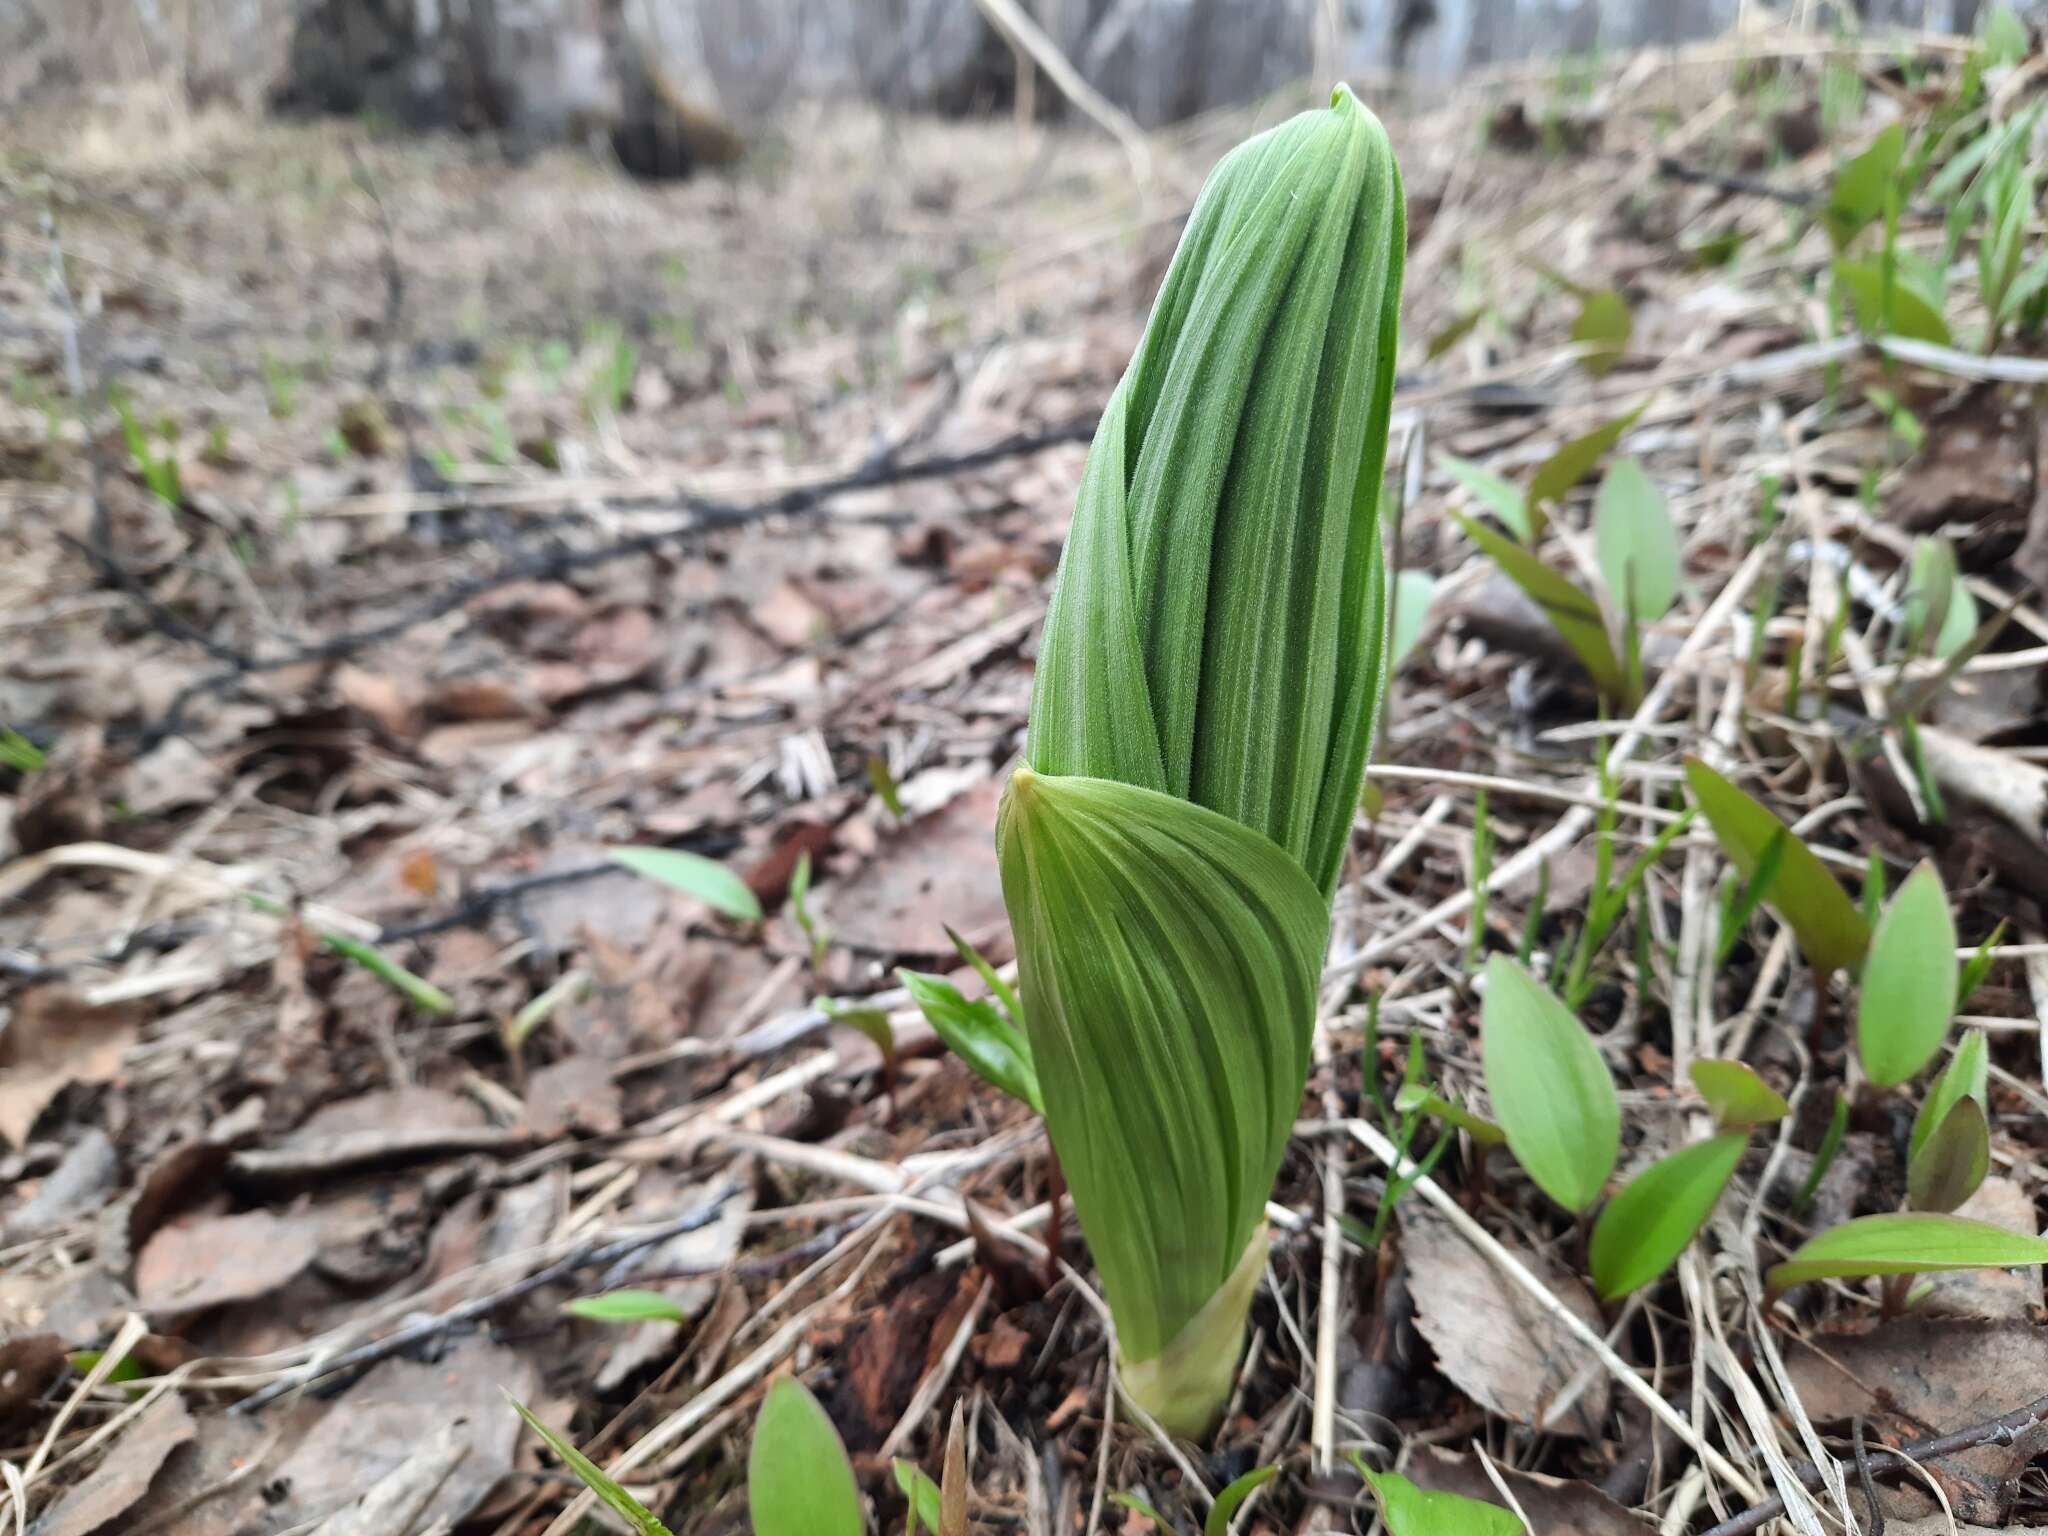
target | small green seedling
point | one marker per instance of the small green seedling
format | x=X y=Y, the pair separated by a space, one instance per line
x=1745 y=896
x=1549 y=1087
x=694 y=875
x=1978 y=966
x=1412 y=1511
x=1824 y=1158
x=1499 y=496
x=799 y=1482
x=19 y=753
x=159 y=469
x=1221 y=1512
x=1967 y=1076
x=626 y=1307
x=1904 y=1243
x=799 y=906
x=420 y=992
x=1454 y=333
x=637 y=1516
x=1941 y=616
x=1414 y=591
x=1908 y=991
x=1861 y=186
x=1737 y=1098
x=884 y=784
x=922 y=1495
x=983 y=1035
x=1831 y=932
x=1573 y=612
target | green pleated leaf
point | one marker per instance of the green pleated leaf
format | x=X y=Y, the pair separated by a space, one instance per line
x=1905 y=1243
x=597 y=1480
x=694 y=875
x=1556 y=475
x=1503 y=498
x=1831 y=932
x=1738 y=1098
x=1636 y=542
x=799 y=1482
x=1952 y=1161
x=976 y=1032
x=1908 y=991
x=1169 y=960
x=1967 y=1076
x=1572 y=612
x=1217 y=630
x=1412 y=1511
x=1551 y=1091
x=1644 y=1228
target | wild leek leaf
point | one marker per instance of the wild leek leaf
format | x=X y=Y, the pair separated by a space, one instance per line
x=1550 y=1087
x=626 y=1307
x=1967 y=1076
x=1831 y=932
x=1889 y=309
x=1738 y=1098
x=1604 y=324
x=799 y=1482
x=1170 y=957
x=1413 y=593
x=1412 y=1511
x=994 y=1048
x=1572 y=612
x=599 y=1482
x=1556 y=475
x=694 y=875
x=1232 y=1496
x=1500 y=497
x=1905 y=1243
x=1644 y=1228
x=1952 y=1161
x=1862 y=185
x=1636 y=542
x=1908 y=989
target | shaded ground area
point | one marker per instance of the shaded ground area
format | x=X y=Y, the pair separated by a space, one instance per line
x=443 y=522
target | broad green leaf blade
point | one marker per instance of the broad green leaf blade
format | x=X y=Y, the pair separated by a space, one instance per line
x=920 y=1492
x=694 y=875
x=1967 y=1076
x=1572 y=612
x=626 y=1307
x=1958 y=625
x=1831 y=932
x=1556 y=475
x=1410 y=1511
x=1952 y=1161
x=1169 y=960
x=1233 y=1495
x=1905 y=1243
x=1636 y=543
x=1552 y=1093
x=1646 y=1226
x=1421 y=1099
x=594 y=1477
x=1908 y=990
x=1901 y=310
x=994 y=1048
x=1500 y=497
x=871 y=1022
x=799 y=1482
x=1930 y=588
x=1605 y=324
x=1860 y=186
x=1738 y=1098
x=1414 y=591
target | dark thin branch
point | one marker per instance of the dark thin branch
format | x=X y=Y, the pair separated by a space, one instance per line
x=591 y=1255
x=2003 y=1430
x=550 y=563
x=1672 y=169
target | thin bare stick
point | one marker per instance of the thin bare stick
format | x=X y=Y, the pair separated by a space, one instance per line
x=1025 y=35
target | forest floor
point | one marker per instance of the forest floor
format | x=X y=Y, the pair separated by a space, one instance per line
x=391 y=530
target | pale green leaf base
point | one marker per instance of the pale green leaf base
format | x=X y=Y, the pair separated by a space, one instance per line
x=1185 y=1386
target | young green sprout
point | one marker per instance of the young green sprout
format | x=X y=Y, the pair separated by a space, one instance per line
x=1207 y=681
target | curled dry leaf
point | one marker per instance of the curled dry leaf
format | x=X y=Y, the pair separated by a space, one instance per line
x=56 y=1039
x=1551 y=1503
x=124 y=1474
x=209 y=1261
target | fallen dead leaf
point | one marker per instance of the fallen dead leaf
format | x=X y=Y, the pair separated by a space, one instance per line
x=125 y=1472
x=56 y=1039
x=397 y=1408
x=395 y=705
x=211 y=1260
x=1492 y=1343
x=938 y=871
x=1927 y=1376
x=1551 y=1503
x=574 y=1094
x=1977 y=464
x=75 y=1186
x=29 y=1364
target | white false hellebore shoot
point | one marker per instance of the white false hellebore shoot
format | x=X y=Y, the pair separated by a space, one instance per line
x=1210 y=669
